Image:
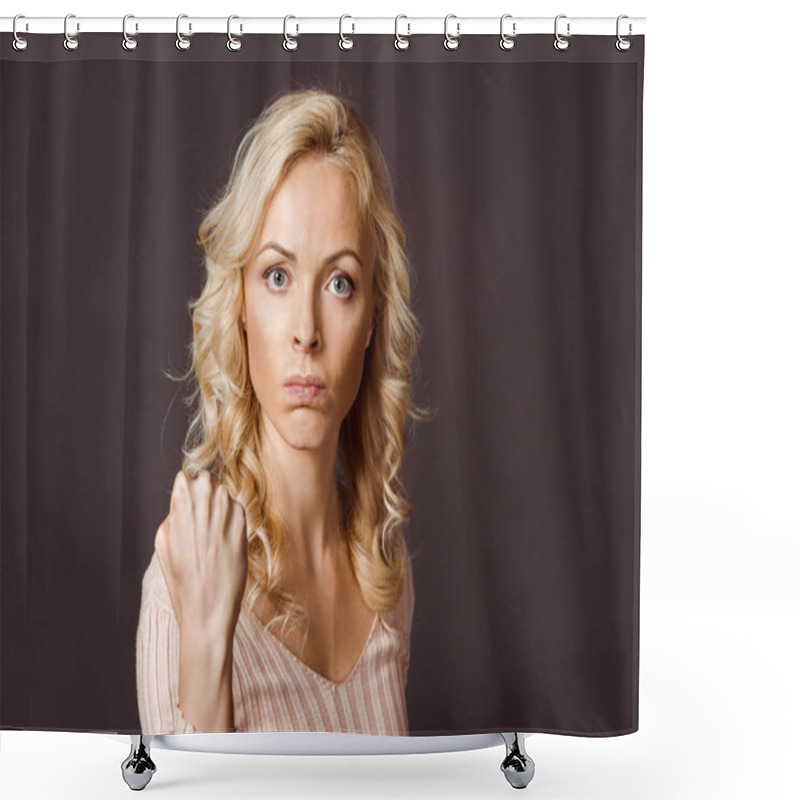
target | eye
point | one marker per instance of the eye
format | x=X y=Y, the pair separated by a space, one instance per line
x=278 y=271
x=343 y=283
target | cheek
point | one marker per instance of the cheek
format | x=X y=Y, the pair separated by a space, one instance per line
x=354 y=365
x=261 y=358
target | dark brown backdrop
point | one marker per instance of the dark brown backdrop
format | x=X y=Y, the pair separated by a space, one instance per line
x=518 y=177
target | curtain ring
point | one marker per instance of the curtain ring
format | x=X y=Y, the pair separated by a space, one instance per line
x=128 y=42
x=506 y=41
x=560 y=42
x=401 y=42
x=19 y=43
x=622 y=43
x=70 y=42
x=234 y=43
x=182 y=43
x=289 y=42
x=451 y=42
x=345 y=42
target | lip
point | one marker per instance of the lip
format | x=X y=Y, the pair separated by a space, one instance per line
x=305 y=388
x=305 y=393
x=305 y=381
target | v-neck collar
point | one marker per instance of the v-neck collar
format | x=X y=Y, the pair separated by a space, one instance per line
x=273 y=638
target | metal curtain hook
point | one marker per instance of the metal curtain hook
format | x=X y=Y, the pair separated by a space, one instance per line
x=451 y=42
x=234 y=44
x=182 y=43
x=128 y=42
x=345 y=42
x=622 y=43
x=560 y=42
x=70 y=42
x=506 y=41
x=289 y=42
x=19 y=43
x=401 y=42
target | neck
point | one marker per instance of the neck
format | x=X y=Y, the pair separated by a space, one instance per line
x=303 y=491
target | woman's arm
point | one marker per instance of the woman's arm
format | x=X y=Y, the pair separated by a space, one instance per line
x=157 y=667
x=206 y=680
x=181 y=688
x=199 y=572
x=169 y=666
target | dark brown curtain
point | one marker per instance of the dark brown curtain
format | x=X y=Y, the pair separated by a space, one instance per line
x=518 y=177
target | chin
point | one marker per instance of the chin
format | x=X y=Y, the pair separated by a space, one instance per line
x=307 y=430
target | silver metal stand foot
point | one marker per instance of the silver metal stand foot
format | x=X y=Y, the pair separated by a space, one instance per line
x=517 y=766
x=138 y=767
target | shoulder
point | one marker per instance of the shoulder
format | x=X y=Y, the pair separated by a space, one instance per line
x=154 y=586
x=401 y=616
x=408 y=586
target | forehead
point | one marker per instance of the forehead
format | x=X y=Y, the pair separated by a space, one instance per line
x=316 y=200
x=314 y=213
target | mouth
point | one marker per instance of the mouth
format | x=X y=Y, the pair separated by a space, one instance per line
x=305 y=392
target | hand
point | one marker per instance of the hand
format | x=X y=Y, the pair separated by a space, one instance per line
x=202 y=549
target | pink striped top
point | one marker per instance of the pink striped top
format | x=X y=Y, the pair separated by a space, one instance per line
x=273 y=690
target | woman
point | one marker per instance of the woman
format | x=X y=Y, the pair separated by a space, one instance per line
x=280 y=592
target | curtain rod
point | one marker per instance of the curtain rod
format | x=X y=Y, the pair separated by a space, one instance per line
x=298 y=25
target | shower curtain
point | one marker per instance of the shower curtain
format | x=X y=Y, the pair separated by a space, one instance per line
x=517 y=177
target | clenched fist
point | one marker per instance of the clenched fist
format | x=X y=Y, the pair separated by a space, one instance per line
x=202 y=550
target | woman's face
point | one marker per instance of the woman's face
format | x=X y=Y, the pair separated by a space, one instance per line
x=308 y=304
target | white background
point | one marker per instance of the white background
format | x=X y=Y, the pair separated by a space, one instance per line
x=720 y=603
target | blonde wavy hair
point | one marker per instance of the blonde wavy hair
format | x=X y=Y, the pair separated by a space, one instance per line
x=224 y=433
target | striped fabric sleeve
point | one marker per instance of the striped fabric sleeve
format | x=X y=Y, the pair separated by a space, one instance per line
x=157 y=670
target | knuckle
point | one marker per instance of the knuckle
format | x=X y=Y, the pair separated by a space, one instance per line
x=180 y=488
x=180 y=496
x=203 y=483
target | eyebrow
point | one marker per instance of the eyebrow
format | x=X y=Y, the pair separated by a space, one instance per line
x=346 y=251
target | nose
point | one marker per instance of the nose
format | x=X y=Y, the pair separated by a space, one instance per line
x=306 y=335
